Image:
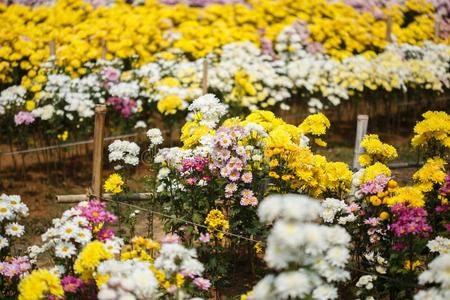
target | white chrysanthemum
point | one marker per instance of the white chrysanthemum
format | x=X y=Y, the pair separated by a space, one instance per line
x=290 y=206
x=155 y=136
x=65 y=249
x=176 y=258
x=210 y=109
x=338 y=256
x=325 y=292
x=331 y=207
x=15 y=229
x=163 y=173
x=438 y=272
x=140 y=124
x=124 y=151
x=439 y=244
x=264 y=289
x=291 y=285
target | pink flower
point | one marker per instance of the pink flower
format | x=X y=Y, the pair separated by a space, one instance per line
x=247 y=177
x=234 y=176
x=372 y=221
x=15 y=267
x=409 y=220
x=71 y=284
x=171 y=238
x=191 y=181
x=96 y=213
x=353 y=207
x=24 y=117
x=105 y=234
x=111 y=74
x=204 y=237
x=202 y=283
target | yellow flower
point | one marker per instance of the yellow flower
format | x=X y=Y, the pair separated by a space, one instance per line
x=411 y=266
x=89 y=259
x=39 y=285
x=375 y=151
x=373 y=171
x=432 y=172
x=216 y=222
x=258 y=247
x=384 y=215
x=435 y=128
x=316 y=124
x=179 y=280
x=409 y=195
x=170 y=104
x=63 y=136
x=30 y=105
x=114 y=184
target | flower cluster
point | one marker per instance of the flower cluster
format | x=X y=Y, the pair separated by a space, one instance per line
x=433 y=131
x=40 y=284
x=12 y=209
x=311 y=257
x=409 y=220
x=375 y=150
x=76 y=228
x=15 y=267
x=124 y=152
x=217 y=223
x=114 y=184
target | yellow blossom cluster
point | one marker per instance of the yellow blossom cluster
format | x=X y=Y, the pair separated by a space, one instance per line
x=293 y=166
x=76 y=33
x=433 y=131
x=217 y=223
x=371 y=172
x=140 y=248
x=375 y=150
x=432 y=172
x=40 y=284
x=90 y=258
x=408 y=195
x=114 y=184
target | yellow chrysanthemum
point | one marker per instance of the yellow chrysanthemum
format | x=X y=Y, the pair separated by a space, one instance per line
x=373 y=171
x=432 y=172
x=89 y=259
x=114 y=184
x=170 y=104
x=39 y=285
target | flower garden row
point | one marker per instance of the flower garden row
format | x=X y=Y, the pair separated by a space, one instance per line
x=322 y=230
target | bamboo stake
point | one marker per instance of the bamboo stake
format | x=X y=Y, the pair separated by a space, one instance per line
x=99 y=133
x=205 y=77
x=108 y=196
x=389 y=29
x=361 y=130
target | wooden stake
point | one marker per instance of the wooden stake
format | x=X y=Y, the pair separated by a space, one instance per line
x=205 y=77
x=52 y=48
x=99 y=133
x=104 y=49
x=361 y=130
x=437 y=26
x=389 y=29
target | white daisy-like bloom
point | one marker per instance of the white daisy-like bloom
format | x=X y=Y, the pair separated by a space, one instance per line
x=124 y=151
x=114 y=245
x=6 y=212
x=163 y=173
x=176 y=258
x=15 y=229
x=140 y=124
x=83 y=236
x=338 y=256
x=155 y=136
x=80 y=221
x=3 y=242
x=58 y=270
x=68 y=230
x=366 y=281
x=65 y=249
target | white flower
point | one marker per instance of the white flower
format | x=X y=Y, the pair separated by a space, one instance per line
x=155 y=136
x=65 y=249
x=163 y=173
x=83 y=236
x=124 y=151
x=439 y=244
x=5 y=211
x=210 y=108
x=69 y=230
x=3 y=242
x=338 y=256
x=15 y=229
x=325 y=292
x=263 y=290
x=291 y=285
x=140 y=124
x=331 y=207
x=114 y=245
